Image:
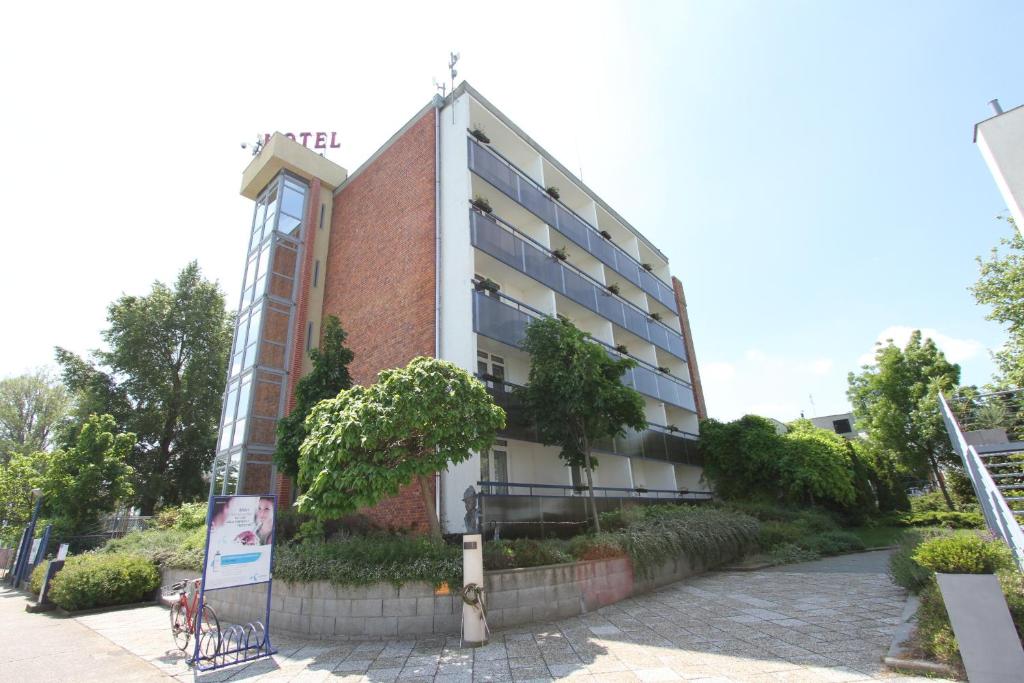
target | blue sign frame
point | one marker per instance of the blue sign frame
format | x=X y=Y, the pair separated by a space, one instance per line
x=235 y=644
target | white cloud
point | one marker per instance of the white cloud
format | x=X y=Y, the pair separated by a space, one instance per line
x=956 y=350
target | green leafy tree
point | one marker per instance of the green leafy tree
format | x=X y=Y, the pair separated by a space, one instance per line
x=367 y=442
x=816 y=465
x=22 y=473
x=161 y=378
x=32 y=409
x=575 y=395
x=742 y=457
x=328 y=376
x=896 y=401
x=1000 y=286
x=92 y=477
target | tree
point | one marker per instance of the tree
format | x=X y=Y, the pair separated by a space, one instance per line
x=18 y=477
x=32 y=409
x=1000 y=285
x=161 y=378
x=91 y=478
x=816 y=465
x=367 y=442
x=328 y=376
x=575 y=395
x=896 y=401
x=742 y=457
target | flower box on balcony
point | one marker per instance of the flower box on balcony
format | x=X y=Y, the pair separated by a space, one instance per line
x=622 y=348
x=560 y=253
x=487 y=285
x=640 y=489
x=482 y=204
x=656 y=316
x=613 y=288
x=480 y=135
x=605 y=234
x=662 y=368
x=672 y=428
x=553 y=191
x=647 y=266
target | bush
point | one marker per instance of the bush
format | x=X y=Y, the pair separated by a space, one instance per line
x=100 y=580
x=832 y=542
x=364 y=560
x=35 y=580
x=788 y=553
x=185 y=517
x=182 y=549
x=950 y=520
x=596 y=547
x=524 y=552
x=928 y=502
x=964 y=553
x=903 y=568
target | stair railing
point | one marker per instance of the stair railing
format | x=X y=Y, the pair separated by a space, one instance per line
x=998 y=515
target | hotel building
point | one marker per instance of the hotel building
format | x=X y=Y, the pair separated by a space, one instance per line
x=410 y=260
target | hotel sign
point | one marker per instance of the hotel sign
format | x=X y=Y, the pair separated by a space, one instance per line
x=320 y=139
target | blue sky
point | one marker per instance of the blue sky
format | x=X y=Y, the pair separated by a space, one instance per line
x=807 y=166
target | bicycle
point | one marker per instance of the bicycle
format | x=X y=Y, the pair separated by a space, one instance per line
x=183 y=618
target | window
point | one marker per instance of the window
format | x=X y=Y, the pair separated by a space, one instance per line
x=491 y=369
x=309 y=335
x=494 y=466
x=323 y=209
x=841 y=426
x=316 y=273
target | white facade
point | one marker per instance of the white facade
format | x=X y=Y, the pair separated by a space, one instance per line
x=1001 y=142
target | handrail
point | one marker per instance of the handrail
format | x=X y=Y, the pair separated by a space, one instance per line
x=636 y=492
x=502 y=223
x=536 y=313
x=998 y=516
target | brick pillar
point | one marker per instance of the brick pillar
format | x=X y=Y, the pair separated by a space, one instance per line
x=691 y=354
x=285 y=486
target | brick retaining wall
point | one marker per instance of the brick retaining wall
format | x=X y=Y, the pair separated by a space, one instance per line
x=514 y=596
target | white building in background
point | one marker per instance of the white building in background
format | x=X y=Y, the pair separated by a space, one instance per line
x=1001 y=141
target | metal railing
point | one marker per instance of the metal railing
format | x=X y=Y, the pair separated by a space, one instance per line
x=507 y=488
x=998 y=516
x=657 y=442
x=494 y=236
x=505 y=319
x=506 y=177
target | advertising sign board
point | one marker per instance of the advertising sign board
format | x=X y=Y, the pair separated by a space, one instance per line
x=241 y=534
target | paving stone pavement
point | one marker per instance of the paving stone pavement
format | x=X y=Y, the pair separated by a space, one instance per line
x=829 y=621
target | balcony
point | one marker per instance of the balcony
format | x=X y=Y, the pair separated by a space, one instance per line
x=655 y=443
x=523 y=254
x=508 y=179
x=504 y=319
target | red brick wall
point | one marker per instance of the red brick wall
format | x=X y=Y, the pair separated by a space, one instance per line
x=379 y=277
x=691 y=354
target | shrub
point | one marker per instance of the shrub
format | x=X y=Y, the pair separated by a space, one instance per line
x=950 y=520
x=364 y=560
x=964 y=553
x=903 y=568
x=99 y=580
x=928 y=502
x=524 y=552
x=182 y=549
x=789 y=553
x=596 y=546
x=620 y=519
x=35 y=580
x=779 y=533
x=832 y=542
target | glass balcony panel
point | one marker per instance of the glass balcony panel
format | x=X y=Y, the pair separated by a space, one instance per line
x=676 y=346
x=646 y=381
x=631 y=444
x=580 y=290
x=636 y=321
x=543 y=267
x=490 y=168
x=601 y=249
x=611 y=308
x=498 y=321
x=536 y=201
x=499 y=243
x=571 y=226
x=654 y=445
x=627 y=267
x=657 y=334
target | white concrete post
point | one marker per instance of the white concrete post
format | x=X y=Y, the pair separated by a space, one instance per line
x=474 y=622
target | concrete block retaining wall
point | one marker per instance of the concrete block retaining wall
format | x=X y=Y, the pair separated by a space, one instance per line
x=514 y=596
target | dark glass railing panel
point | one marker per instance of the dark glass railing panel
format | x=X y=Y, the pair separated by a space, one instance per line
x=520 y=188
x=506 y=323
x=655 y=442
x=527 y=258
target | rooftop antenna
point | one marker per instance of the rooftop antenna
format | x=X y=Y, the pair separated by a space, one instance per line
x=441 y=88
x=453 y=59
x=256 y=146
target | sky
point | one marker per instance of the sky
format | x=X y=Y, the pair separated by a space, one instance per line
x=807 y=167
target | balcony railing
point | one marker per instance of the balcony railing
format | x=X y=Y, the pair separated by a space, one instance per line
x=504 y=319
x=657 y=442
x=508 y=179
x=518 y=251
x=506 y=488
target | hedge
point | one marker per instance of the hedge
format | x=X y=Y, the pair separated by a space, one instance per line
x=103 y=579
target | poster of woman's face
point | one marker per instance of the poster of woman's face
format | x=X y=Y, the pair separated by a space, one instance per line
x=264 y=520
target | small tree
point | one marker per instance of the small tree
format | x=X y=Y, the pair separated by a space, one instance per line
x=32 y=409
x=91 y=478
x=328 y=376
x=18 y=477
x=575 y=395
x=368 y=442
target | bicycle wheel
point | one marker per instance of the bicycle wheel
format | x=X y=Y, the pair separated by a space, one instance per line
x=209 y=633
x=179 y=627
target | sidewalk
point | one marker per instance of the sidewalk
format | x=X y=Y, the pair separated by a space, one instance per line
x=43 y=647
